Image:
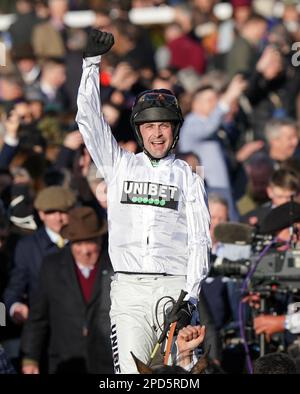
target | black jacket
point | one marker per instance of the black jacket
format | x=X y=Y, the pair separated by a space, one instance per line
x=79 y=332
x=28 y=257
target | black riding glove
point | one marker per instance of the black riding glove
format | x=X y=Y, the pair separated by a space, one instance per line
x=186 y=315
x=98 y=43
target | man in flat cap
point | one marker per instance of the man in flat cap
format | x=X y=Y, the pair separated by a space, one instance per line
x=72 y=303
x=52 y=204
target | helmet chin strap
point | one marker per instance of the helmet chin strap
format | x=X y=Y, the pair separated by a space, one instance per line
x=155 y=158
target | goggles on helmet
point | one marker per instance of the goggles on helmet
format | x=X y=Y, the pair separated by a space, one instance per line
x=151 y=97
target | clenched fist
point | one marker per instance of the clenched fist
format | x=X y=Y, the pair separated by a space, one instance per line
x=98 y=43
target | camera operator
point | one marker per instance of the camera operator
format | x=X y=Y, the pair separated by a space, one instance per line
x=266 y=323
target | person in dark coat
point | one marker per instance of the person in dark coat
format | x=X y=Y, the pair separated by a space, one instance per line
x=52 y=204
x=21 y=30
x=72 y=303
x=4 y=256
x=5 y=365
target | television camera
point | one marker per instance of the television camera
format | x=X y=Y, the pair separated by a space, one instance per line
x=272 y=259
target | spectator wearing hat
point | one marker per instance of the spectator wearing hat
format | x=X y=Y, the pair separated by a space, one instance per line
x=72 y=303
x=20 y=212
x=242 y=10
x=27 y=65
x=52 y=204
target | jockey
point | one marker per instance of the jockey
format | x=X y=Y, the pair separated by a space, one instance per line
x=159 y=239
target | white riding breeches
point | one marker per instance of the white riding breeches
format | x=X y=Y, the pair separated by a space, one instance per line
x=133 y=321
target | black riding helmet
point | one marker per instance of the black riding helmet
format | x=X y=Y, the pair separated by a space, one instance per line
x=157 y=105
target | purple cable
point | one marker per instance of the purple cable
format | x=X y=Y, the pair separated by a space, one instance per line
x=241 y=303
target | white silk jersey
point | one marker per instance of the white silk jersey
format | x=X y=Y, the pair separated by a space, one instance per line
x=158 y=219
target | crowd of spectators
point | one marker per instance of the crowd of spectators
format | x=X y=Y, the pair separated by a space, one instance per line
x=234 y=72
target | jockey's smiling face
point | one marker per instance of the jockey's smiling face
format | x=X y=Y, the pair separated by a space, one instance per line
x=157 y=138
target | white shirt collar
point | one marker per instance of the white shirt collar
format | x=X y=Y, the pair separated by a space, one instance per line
x=86 y=271
x=54 y=237
x=48 y=90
